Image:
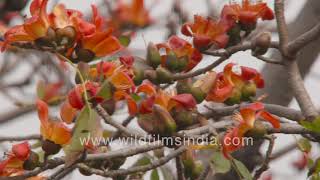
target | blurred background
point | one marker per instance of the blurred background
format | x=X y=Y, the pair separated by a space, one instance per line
x=18 y=84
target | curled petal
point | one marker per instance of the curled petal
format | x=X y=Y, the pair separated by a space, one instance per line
x=67 y=112
x=21 y=151
x=186 y=101
x=60 y=133
x=146 y=105
x=97 y=18
x=43 y=112
x=127 y=61
x=270 y=118
x=75 y=97
x=132 y=106
x=248 y=117
x=220 y=91
x=147 y=88
x=257 y=106
x=121 y=80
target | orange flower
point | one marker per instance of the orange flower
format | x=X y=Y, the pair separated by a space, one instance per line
x=14 y=162
x=248 y=13
x=246 y=118
x=49 y=92
x=227 y=81
x=93 y=38
x=206 y=32
x=34 y=27
x=75 y=96
x=131 y=14
x=182 y=50
x=52 y=129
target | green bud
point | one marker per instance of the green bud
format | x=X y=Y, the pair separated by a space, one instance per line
x=235 y=97
x=164 y=117
x=153 y=56
x=249 y=90
x=163 y=75
x=183 y=118
x=198 y=94
x=258 y=131
x=172 y=62
x=184 y=86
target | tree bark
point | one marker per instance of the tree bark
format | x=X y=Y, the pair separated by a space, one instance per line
x=277 y=80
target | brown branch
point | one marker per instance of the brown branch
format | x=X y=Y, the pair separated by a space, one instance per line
x=265 y=164
x=180 y=170
x=20 y=138
x=303 y=40
x=282 y=26
x=144 y=168
x=284 y=151
x=302 y=96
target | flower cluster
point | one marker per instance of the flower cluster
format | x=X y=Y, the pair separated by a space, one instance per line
x=64 y=31
x=226 y=31
x=247 y=120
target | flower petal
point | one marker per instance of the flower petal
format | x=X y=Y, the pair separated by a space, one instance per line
x=270 y=118
x=21 y=151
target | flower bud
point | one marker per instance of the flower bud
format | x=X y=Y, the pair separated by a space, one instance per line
x=183 y=118
x=258 y=131
x=85 y=55
x=147 y=122
x=163 y=75
x=166 y=119
x=248 y=90
x=153 y=56
x=198 y=94
x=261 y=44
x=184 y=86
x=139 y=68
x=234 y=35
x=32 y=162
x=235 y=97
x=66 y=36
x=50 y=147
x=171 y=61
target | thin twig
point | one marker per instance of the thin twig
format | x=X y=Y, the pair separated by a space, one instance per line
x=265 y=164
x=179 y=167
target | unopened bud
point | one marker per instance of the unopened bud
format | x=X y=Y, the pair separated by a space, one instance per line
x=32 y=162
x=66 y=36
x=249 y=90
x=153 y=56
x=85 y=55
x=166 y=119
x=235 y=97
x=261 y=44
x=163 y=75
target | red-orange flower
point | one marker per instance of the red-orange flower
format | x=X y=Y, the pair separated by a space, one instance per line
x=14 y=162
x=94 y=38
x=248 y=13
x=34 y=27
x=76 y=95
x=52 y=129
x=206 y=32
x=227 y=81
x=134 y=14
x=183 y=51
x=49 y=92
x=247 y=117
